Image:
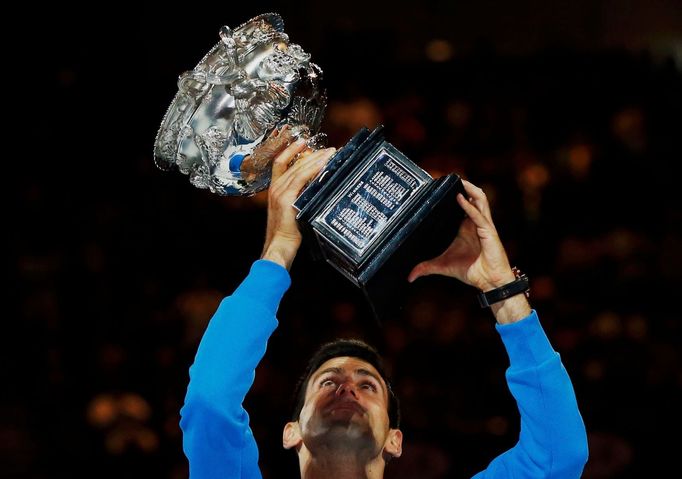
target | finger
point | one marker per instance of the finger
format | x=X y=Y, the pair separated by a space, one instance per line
x=473 y=213
x=306 y=169
x=277 y=131
x=300 y=156
x=279 y=166
x=306 y=157
x=424 y=268
x=417 y=272
x=284 y=181
x=478 y=198
x=313 y=164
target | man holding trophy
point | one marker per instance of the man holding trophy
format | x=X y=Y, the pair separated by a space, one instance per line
x=346 y=422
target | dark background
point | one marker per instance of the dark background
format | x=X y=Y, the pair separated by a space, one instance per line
x=566 y=113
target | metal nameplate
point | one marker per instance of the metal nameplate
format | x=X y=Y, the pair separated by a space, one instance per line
x=371 y=201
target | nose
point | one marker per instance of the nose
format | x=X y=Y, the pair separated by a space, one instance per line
x=347 y=387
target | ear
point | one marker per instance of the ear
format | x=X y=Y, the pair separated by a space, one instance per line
x=291 y=436
x=394 y=443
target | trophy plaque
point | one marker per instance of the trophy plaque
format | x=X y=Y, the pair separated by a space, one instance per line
x=371 y=213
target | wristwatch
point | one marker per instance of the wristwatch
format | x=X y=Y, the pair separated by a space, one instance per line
x=518 y=286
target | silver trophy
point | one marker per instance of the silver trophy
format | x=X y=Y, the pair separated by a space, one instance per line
x=249 y=97
x=371 y=212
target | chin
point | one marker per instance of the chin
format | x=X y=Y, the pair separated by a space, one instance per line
x=348 y=430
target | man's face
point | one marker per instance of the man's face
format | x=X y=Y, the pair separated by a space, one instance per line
x=346 y=403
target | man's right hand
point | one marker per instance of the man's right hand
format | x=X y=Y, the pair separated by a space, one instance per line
x=282 y=237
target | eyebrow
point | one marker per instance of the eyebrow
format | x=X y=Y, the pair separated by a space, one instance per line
x=359 y=371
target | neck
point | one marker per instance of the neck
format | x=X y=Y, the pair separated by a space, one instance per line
x=340 y=465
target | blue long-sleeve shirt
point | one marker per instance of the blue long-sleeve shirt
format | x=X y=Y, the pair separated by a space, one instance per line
x=219 y=443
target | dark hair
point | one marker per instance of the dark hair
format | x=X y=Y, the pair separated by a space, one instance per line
x=352 y=348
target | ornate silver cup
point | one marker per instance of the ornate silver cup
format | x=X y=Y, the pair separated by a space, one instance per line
x=249 y=97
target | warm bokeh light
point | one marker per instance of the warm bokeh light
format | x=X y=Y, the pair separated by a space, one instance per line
x=439 y=50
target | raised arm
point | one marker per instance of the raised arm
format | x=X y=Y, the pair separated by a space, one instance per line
x=552 y=441
x=217 y=438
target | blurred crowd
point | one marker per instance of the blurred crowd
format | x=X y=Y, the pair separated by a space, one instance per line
x=116 y=270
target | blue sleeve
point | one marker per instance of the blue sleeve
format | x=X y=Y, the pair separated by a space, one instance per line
x=217 y=439
x=553 y=441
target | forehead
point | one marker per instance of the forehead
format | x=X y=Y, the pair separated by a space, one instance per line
x=348 y=365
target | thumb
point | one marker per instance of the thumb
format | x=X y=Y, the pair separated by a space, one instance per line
x=424 y=268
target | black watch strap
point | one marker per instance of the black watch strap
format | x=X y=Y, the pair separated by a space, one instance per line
x=518 y=286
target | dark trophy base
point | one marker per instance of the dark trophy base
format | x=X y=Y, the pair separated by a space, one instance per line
x=373 y=214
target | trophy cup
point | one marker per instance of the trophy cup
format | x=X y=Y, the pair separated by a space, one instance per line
x=371 y=212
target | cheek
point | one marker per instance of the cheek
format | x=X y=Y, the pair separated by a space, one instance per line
x=305 y=414
x=378 y=414
x=308 y=410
